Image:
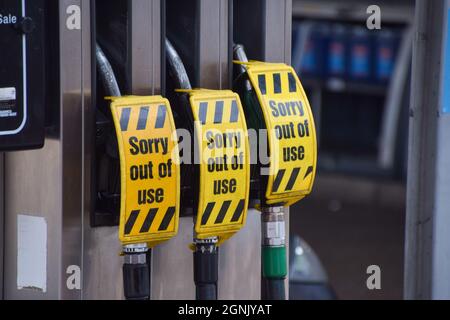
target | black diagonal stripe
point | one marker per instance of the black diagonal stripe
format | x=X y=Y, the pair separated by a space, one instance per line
x=207 y=213
x=277 y=83
x=262 y=84
x=203 y=112
x=278 y=180
x=161 y=117
x=223 y=212
x=131 y=221
x=218 y=116
x=239 y=210
x=143 y=117
x=167 y=219
x=293 y=179
x=292 y=83
x=149 y=220
x=125 y=119
x=234 y=117
x=308 y=172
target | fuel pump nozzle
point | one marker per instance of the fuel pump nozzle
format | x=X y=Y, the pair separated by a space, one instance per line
x=206 y=257
x=273 y=233
x=220 y=187
x=286 y=179
x=137 y=257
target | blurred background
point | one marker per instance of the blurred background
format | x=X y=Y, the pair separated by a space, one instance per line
x=358 y=84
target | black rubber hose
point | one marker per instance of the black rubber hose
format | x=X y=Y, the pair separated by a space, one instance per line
x=106 y=72
x=206 y=271
x=273 y=289
x=176 y=67
x=136 y=277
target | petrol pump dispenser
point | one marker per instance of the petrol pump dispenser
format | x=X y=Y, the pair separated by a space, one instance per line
x=274 y=100
x=149 y=178
x=220 y=178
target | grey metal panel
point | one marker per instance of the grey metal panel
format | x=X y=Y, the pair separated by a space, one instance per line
x=87 y=140
x=393 y=105
x=427 y=261
x=441 y=240
x=172 y=269
x=102 y=265
x=240 y=267
x=75 y=92
x=424 y=115
x=146 y=52
x=213 y=51
x=33 y=187
x=239 y=264
x=48 y=183
x=278 y=31
x=273 y=19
